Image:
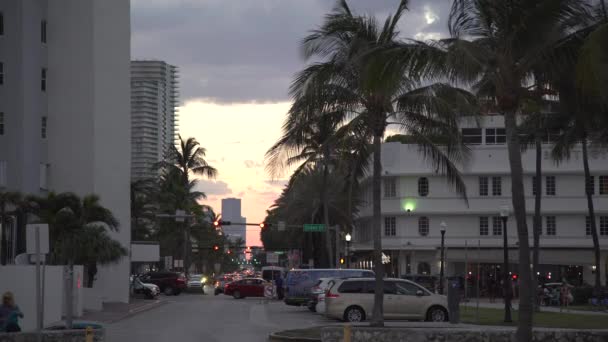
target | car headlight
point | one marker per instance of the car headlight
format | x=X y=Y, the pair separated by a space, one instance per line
x=204 y=280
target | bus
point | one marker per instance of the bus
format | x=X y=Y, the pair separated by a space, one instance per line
x=299 y=281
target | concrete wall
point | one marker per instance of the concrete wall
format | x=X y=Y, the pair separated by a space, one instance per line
x=464 y=334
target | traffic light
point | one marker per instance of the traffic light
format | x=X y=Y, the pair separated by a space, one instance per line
x=216 y=248
x=514 y=276
x=218 y=222
x=265 y=225
x=342 y=261
x=229 y=252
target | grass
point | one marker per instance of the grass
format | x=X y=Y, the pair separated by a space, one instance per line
x=488 y=316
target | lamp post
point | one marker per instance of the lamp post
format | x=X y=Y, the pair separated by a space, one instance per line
x=444 y=226
x=347 y=238
x=504 y=214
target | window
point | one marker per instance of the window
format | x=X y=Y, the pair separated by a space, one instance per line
x=423 y=226
x=390 y=226
x=408 y=289
x=1 y=73
x=550 y=185
x=43 y=128
x=483 y=186
x=43 y=31
x=587 y=225
x=496 y=225
x=43 y=79
x=534 y=185
x=471 y=136
x=43 y=176
x=603 y=225
x=495 y=136
x=424 y=268
x=1 y=123
x=603 y=185
x=351 y=287
x=390 y=188
x=590 y=185
x=390 y=288
x=3 y=168
x=1 y=24
x=483 y=225
x=496 y=186
x=423 y=186
x=550 y=225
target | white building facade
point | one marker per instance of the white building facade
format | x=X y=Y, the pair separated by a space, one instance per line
x=416 y=200
x=154 y=99
x=231 y=211
x=64 y=108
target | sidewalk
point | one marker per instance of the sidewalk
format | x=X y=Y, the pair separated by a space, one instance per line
x=114 y=312
x=499 y=304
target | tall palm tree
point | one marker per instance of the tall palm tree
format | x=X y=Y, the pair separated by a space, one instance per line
x=143 y=208
x=347 y=78
x=305 y=144
x=7 y=199
x=496 y=46
x=78 y=232
x=186 y=159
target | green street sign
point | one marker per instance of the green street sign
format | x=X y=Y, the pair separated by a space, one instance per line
x=314 y=228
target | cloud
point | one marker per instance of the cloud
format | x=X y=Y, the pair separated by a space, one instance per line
x=248 y=50
x=250 y=164
x=213 y=188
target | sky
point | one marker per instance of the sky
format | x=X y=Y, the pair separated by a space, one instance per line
x=236 y=59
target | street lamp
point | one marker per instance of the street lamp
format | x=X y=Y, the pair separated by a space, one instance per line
x=348 y=237
x=504 y=214
x=443 y=226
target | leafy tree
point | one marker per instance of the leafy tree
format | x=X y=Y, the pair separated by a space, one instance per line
x=143 y=209
x=349 y=75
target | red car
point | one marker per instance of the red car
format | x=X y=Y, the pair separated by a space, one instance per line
x=248 y=287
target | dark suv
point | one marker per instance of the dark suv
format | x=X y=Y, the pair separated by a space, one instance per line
x=170 y=283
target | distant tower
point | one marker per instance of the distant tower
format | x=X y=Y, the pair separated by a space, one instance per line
x=231 y=211
x=154 y=98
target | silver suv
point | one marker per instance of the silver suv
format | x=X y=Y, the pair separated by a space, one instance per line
x=352 y=300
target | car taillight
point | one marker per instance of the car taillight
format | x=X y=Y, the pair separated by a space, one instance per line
x=328 y=294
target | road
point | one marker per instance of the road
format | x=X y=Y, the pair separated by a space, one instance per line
x=196 y=318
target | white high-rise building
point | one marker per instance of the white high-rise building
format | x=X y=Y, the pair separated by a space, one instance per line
x=416 y=200
x=231 y=211
x=64 y=108
x=154 y=98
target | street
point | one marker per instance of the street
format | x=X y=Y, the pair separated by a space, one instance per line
x=196 y=317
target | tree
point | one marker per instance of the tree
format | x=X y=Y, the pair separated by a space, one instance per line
x=7 y=199
x=78 y=235
x=143 y=208
x=495 y=47
x=184 y=160
x=352 y=78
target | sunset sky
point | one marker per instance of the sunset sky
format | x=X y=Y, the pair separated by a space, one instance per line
x=236 y=59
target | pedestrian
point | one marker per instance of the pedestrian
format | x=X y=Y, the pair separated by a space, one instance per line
x=9 y=314
x=565 y=295
x=279 y=284
x=492 y=290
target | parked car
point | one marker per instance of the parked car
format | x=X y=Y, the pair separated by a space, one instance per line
x=149 y=291
x=317 y=295
x=220 y=282
x=170 y=283
x=248 y=287
x=352 y=300
x=299 y=281
x=196 y=282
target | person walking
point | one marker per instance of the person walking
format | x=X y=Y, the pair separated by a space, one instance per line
x=279 y=284
x=9 y=314
x=565 y=295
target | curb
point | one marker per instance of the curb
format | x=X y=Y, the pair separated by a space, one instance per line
x=138 y=310
x=276 y=337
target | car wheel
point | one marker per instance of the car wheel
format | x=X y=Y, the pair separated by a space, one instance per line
x=437 y=314
x=354 y=314
x=177 y=293
x=216 y=292
x=312 y=308
x=168 y=291
x=236 y=295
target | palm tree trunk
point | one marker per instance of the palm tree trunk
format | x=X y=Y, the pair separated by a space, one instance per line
x=328 y=239
x=378 y=311
x=524 y=326
x=3 y=241
x=596 y=242
x=537 y=220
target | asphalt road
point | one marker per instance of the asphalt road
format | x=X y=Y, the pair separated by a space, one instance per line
x=209 y=318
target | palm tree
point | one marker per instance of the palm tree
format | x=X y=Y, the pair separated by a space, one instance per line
x=347 y=78
x=182 y=161
x=496 y=46
x=7 y=199
x=307 y=144
x=142 y=208
x=78 y=233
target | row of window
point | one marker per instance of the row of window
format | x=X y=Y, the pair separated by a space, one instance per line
x=42 y=77
x=495 y=136
x=44 y=171
x=549 y=228
x=43 y=125
x=43 y=25
x=390 y=186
